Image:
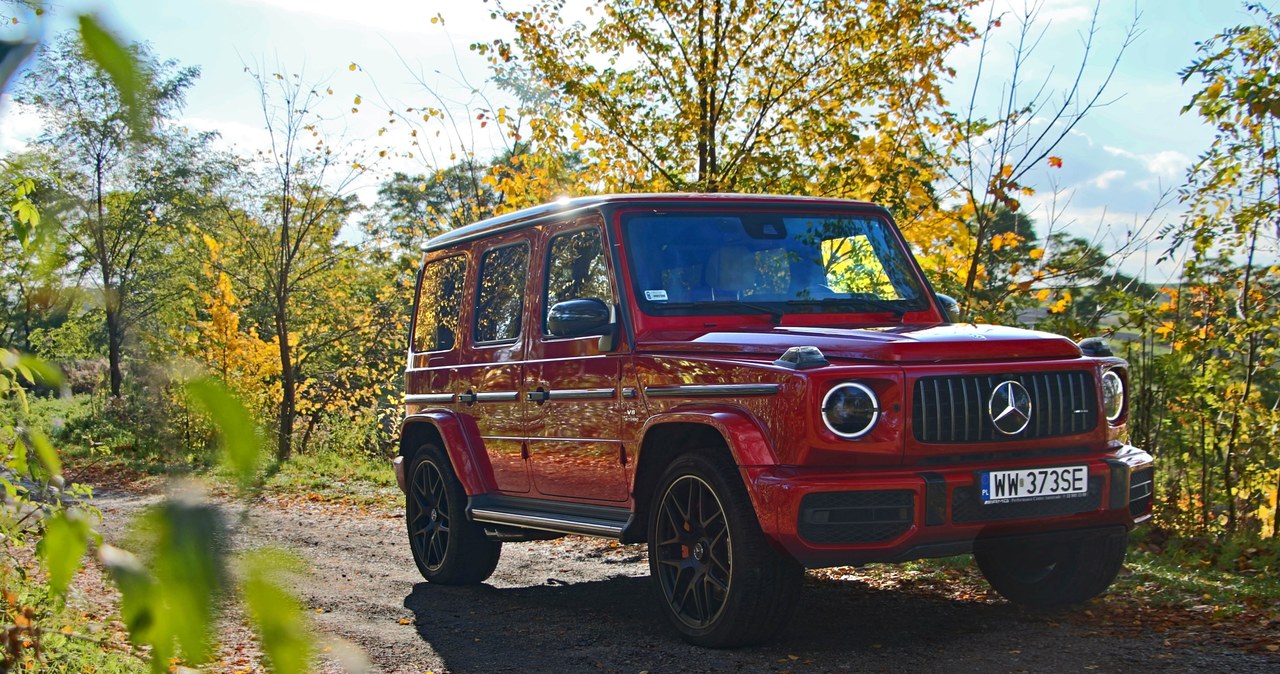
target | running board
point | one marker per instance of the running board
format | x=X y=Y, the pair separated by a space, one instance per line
x=557 y=516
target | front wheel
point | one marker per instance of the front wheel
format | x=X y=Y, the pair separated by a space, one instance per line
x=1055 y=573
x=448 y=548
x=716 y=577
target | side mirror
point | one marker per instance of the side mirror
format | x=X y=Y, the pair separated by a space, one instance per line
x=1095 y=346
x=579 y=318
x=950 y=307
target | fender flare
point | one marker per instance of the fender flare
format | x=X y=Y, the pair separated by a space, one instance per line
x=746 y=437
x=461 y=440
x=748 y=443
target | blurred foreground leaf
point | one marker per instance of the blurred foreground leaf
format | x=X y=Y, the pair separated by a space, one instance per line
x=45 y=452
x=104 y=49
x=277 y=616
x=241 y=449
x=66 y=538
x=177 y=598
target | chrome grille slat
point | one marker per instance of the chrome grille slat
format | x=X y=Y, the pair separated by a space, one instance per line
x=951 y=396
x=948 y=410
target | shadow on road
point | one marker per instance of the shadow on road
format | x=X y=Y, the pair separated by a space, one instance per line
x=614 y=625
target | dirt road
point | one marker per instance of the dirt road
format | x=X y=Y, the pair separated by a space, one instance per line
x=583 y=605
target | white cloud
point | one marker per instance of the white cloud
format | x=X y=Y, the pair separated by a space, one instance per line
x=400 y=16
x=238 y=136
x=464 y=21
x=1105 y=179
x=1119 y=152
x=18 y=125
x=1168 y=163
x=1067 y=11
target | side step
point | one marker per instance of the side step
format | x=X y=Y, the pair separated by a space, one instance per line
x=543 y=515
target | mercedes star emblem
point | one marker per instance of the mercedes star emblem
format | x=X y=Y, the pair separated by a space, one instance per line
x=1010 y=407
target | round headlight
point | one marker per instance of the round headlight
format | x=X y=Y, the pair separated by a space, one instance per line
x=1112 y=395
x=850 y=410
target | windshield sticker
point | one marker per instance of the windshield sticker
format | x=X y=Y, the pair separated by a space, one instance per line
x=655 y=295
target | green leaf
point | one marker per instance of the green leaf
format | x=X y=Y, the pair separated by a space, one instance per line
x=41 y=371
x=174 y=602
x=105 y=50
x=66 y=538
x=20 y=228
x=190 y=571
x=241 y=449
x=138 y=603
x=45 y=452
x=277 y=615
x=17 y=462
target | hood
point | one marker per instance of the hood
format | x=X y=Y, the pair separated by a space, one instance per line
x=897 y=344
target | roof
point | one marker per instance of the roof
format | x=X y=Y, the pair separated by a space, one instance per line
x=532 y=215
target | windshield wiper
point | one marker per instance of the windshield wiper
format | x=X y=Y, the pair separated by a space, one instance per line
x=859 y=303
x=774 y=315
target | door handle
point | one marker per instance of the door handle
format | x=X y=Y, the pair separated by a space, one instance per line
x=539 y=396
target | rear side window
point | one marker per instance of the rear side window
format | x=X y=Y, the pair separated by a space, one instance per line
x=439 y=303
x=576 y=269
x=500 y=295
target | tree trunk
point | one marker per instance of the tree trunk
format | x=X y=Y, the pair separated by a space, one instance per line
x=115 y=343
x=288 y=384
x=112 y=299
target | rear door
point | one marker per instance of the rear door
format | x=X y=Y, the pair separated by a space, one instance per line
x=494 y=370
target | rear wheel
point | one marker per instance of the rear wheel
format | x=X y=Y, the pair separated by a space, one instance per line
x=716 y=577
x=448 y=548
x=1052 y=574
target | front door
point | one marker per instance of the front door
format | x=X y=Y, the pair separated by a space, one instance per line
x=573 y=389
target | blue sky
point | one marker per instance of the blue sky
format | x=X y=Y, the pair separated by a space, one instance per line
x=1116 y=163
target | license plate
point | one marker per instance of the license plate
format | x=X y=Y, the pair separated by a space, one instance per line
x=1034 y=484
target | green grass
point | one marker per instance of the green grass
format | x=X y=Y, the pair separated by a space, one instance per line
x=1186 y=578
x=336 y=476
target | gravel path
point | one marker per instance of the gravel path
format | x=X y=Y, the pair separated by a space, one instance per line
x=584 y=605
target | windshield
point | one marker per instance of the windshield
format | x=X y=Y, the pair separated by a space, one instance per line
x=700 y=262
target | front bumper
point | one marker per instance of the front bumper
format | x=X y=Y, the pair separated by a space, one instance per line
x=833 y=518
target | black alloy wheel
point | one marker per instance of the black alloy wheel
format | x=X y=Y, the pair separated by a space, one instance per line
x=429 y=519
x=715 y=575
x=694 y=552
x=448 y=548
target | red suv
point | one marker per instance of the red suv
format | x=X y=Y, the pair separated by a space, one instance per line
x=751 y=385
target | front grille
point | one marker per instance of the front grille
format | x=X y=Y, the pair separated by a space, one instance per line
x=955 y=409
x=1141 y=489
x=967 y=506
x=856 y=516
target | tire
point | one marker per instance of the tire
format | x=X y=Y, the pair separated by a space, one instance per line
x=448 y=548
x=1052 y=574
x=715 y=576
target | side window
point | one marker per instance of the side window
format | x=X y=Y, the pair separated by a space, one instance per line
x=576 y=270
x=500 y=296
x=439 y=304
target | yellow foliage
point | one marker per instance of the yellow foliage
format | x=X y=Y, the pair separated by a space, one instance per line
x=1061 y=305
x=248 y=365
